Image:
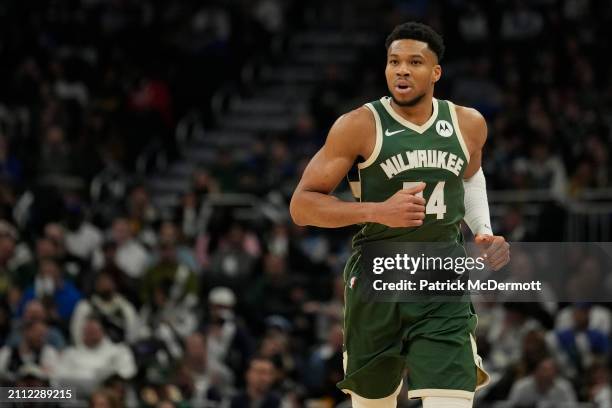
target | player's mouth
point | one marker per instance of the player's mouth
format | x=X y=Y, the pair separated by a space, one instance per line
x=403 y=87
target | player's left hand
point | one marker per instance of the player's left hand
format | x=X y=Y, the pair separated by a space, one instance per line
x=495 y=250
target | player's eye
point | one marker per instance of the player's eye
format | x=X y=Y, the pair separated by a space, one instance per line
x=417 y=62
x=393 y=62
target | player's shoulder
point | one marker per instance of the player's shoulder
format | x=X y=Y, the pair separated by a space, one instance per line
x=356 y=119
x=352 y=131
x=470 y=117
x=472 y=123
x=353 y=126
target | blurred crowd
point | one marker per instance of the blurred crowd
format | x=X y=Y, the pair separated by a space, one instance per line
x=134 y=305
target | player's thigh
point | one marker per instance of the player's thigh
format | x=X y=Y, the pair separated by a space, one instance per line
x=373 y=346
x=441 y=355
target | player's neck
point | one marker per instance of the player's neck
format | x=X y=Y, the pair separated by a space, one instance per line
x=417 y=114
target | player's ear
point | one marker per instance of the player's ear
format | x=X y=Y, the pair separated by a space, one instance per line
x=437 y=73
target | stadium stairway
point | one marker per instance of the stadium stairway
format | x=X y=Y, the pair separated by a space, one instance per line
x=276 y=95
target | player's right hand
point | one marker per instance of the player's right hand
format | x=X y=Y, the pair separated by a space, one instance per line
x=403 y=209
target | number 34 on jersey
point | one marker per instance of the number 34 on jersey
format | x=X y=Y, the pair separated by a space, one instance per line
x=435 y=203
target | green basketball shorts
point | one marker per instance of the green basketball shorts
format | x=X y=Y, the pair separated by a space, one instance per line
x=433 y=342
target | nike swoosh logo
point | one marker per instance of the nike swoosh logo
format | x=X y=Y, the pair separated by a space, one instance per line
x=387 y=133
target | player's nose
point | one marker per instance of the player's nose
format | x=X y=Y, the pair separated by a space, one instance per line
x=403 y=70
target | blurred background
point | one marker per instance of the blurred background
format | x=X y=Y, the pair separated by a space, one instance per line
x=148 y=151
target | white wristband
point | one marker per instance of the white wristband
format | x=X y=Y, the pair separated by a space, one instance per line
x=476 y=204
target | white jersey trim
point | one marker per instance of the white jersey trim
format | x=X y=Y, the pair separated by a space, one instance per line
x=379 y=139
x=386 y=102
x=453 y=113
x=440 y=392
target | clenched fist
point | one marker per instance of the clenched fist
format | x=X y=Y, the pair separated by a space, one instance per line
x=494 y=249
x=403 y=209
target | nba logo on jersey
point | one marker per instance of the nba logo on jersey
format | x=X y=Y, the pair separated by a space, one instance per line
x=444 y=128
x=352 y=282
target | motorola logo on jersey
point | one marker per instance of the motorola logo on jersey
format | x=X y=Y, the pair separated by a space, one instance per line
x=444 y=128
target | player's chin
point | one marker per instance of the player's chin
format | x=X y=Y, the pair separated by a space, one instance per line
x=403 y=99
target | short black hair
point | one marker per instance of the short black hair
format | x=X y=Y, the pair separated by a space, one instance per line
x=419 y=32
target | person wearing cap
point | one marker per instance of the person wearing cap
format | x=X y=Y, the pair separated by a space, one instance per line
x=229 y=342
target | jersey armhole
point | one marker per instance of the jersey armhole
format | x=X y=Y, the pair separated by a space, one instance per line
x=453 y=113
x=378 y=144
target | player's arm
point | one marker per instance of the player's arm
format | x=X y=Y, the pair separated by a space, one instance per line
x=474 y=130
x=477 y=217
x=352 y=135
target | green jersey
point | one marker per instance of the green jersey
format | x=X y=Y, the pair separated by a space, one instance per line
x=434 y=340
x=405 y=154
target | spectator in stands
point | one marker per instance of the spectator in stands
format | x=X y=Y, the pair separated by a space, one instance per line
x=327 y=314
x=543 y=170
x=8 y=200
x=259 y=379
x=310 y=249
x=74 y=266
x=533 y=350
x=324 y=367
x=105 y=260
x=5 y=321
x=189 y=214
x=81 y=236
x=523 y=269
x=142 y=214
x=8 y=238
x=207 y=377
x=513 y=225
x=587 y=281
x=32 y=376
x=169 y=232
x=281 y=167
x=579 y=346
x=599 y=317
x=32 y=349
x=506 y=335
x=226 y=171
x=229 y=341
x=88 y=364
x=476 y=88
x=58 y=295
x=35 y=311
x=598 y=389
x=130 y=256
x=171 y=285
x=519 y=22
x=543 y=386
x=473 y=24
x=10 y=165
x=104 y=398
x=116 y=313
x=123 y=389
x=276 y=345
x=233 y=261
x=55 y=158
x=26 y=272
x=272 y=292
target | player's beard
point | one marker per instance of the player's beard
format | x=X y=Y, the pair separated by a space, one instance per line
x=412 y=102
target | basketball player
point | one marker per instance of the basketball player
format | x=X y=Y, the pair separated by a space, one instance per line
x=420 y=176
